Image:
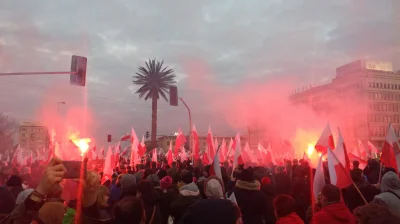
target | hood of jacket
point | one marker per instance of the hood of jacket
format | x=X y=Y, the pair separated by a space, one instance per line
x=150 y=198
x=337 y=212
x=390 y=182
x=189 y=190
x=292 y=218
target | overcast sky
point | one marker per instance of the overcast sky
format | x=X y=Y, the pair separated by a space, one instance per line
x=232 y=41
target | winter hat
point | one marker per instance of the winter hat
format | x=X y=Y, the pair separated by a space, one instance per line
x=153 y=178
x=14 y=181
x=128 y=181
x=187 y=178
x=214 y=188
x=23 y=195
x=165 y=182
x=266 y=181
x=247 y=175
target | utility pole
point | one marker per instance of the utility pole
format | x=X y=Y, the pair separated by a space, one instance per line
x=190 y=128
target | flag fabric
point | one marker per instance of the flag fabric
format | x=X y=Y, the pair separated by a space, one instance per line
x=222 y=153
x=362 y=162
x=134 y=148
x=230 y=149
x=338 y=172
x=107 y=170
x=125 y=137
x=210 y=143
x=260 y=154
x=270 y=156
x=361 y=150
x=196 y=144
x=179 y=142
x=142 y=148
x=306 y=159
x=388 y=156
x=215 y=168
x=237 y=151
x=170 y=158
x=184 y=155
x=325 y=140
x=250 y=153
x=232 y=198
x=372 y=149
x=319 y=179
x=154 y=155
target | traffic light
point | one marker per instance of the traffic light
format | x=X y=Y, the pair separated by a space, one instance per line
x=147 y=134
x=108 y=138
x=173 y=96
x=78 y=70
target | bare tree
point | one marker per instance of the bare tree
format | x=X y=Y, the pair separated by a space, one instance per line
x=8 y=129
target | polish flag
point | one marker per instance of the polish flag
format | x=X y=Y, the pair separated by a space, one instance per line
x=230 y=149
x=184 y=155
x=179 y=142
x=215 y=168
x=134 y=148
x=154 y=155
x=142 y=148
x=222 y=151
x=250 y=153
x=362 y=162
x=125 y=137
x=339 y=165
x=107 y=170
x=169 y=155
x=319 y=179
x=260 y=154
x=372 y=149
x=238 y=150
x=210 y=143
x=270 y=156
x=388 y=156
x=325 y=140
x=196 y=144
x=361 y=150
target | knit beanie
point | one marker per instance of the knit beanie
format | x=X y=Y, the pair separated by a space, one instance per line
x=165 y=182
x=128 y=181
x=153 y=178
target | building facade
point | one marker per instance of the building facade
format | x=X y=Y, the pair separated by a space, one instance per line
x=33 y=136
x=362 y=100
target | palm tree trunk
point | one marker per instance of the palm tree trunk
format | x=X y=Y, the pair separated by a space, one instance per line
x=154 y=121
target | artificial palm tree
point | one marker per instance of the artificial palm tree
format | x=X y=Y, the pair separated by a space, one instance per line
x=154 y=80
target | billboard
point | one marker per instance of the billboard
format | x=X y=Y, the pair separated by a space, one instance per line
x=379 y=66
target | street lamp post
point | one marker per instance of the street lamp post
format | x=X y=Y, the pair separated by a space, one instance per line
x=190 y=128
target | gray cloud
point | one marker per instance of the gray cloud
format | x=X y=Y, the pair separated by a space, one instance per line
x=234 y=40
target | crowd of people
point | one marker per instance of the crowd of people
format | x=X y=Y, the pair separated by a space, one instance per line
x=154 y=193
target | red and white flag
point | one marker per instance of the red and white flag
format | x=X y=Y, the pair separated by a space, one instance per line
x=107 y=170
x=196 y=144
x=222 y=151
x=134 y=149
x=210 y=143
x=170 y=158
x=238 y=150
x=325 y=140
x=372 y=149
x=125 y=137
x=339 y=166
x=154 y=155
x=361 y=150
x=142 y=148
x=215 y=168
x=270 y=156
x=179 y=142
x=319 y=179
x=388 y=156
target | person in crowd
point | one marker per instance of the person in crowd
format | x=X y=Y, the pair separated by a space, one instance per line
x=154 y=180
x=350 y=194
x=28 y=211
x=251 y=201
x=168 y=193
x=102 y=195
x=150 y=198
x=173 y=172
x=333 y=211
x=390 y=192
x=356 y=166
x=282 y=181
x=285 y=210
x=14 y=185
x=115 y=192
x=129 y=210
x=52 y=212
x=23 y=195
x=7 y=202
x=375 y=214
x=128 y=185
x=214 y=209
x=269 y=191
x=372 y=171
x=188 y=195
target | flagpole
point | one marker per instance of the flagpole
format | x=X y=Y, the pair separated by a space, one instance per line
x=190 y=127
